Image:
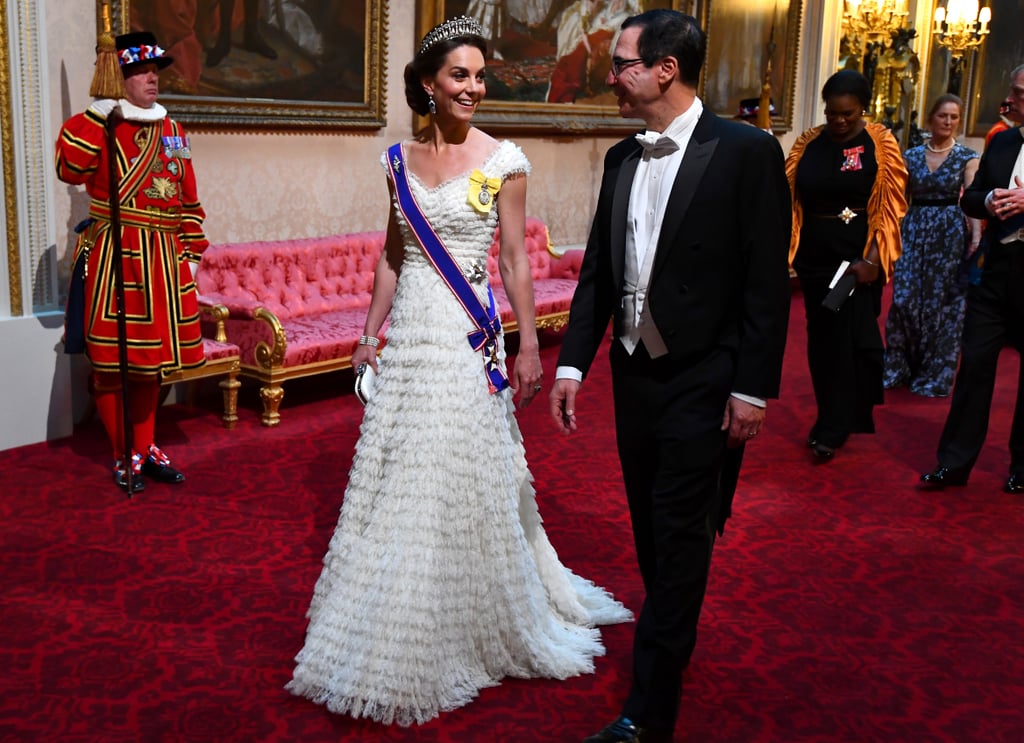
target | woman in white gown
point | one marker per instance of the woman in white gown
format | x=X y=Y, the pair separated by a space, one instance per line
x=439 y=579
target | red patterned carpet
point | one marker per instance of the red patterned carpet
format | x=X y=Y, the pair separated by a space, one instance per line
x=845 y=605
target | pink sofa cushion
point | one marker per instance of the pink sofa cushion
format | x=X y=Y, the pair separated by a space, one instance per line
x=537 y=248
x=215 y=351
x=550 y=297
x=293 y=278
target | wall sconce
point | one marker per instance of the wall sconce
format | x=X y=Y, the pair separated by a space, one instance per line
x=960 y=27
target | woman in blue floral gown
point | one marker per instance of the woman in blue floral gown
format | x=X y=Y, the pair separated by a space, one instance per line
x=926 y=318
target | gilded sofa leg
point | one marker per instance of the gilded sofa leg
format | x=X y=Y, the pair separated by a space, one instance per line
x=272 y=394
x=229 y=386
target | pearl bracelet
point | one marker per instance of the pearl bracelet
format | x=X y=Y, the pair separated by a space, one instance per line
x=369 y=340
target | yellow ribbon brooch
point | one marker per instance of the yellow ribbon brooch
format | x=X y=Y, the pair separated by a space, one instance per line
x=482 y=191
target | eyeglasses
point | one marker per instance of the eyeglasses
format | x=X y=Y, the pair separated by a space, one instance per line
x=619 y=64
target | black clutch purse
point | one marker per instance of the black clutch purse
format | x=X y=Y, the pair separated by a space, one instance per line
x=842 y=287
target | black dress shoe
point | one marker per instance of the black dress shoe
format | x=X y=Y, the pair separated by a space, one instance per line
x=943 y=477
x=121 y=476
x=1014 y=484
x=162 y=472
x=822 y=452
x=623 y=730
x=122 y=482
x=158 y=467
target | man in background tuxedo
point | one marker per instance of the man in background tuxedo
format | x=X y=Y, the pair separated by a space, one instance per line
x=688 y=254
x=995 y=307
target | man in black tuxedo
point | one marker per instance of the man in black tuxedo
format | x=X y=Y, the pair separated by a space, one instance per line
x=688 y=254
x=995 y=308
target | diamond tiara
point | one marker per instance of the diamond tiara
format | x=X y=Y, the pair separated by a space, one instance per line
x=450 y=29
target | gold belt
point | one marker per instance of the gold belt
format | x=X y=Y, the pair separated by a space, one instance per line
x=152 y=218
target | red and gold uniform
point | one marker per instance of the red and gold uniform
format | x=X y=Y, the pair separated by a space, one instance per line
x=161 y=221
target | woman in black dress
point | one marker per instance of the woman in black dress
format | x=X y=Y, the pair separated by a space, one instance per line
x=848 y=182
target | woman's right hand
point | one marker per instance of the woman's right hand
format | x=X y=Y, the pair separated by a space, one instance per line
x=365 y=355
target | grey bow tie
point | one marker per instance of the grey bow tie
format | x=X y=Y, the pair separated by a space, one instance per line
x=656 y=145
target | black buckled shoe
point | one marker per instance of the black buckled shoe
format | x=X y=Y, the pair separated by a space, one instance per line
x=121 y=475
x=623 y=730
x=1014 y=483
x=944 y=477
x=158 y=467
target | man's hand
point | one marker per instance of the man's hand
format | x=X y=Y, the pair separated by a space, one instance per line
x=563 y=403
x=742 y=420
x=1008 y=202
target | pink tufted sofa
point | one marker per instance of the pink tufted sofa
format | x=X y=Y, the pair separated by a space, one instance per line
x=297 y=307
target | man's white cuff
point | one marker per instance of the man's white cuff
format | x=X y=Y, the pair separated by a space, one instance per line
x=569 y=372
x=755 y=401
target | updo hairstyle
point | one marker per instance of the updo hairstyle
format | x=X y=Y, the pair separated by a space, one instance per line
x=427 y=64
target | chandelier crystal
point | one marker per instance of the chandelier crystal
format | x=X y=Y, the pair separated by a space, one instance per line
x=873 y=20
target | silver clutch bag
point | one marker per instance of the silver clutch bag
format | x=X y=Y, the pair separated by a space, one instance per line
x=366 y=379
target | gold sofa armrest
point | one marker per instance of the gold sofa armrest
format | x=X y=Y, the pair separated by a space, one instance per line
x=269 y=357
x=218 y=313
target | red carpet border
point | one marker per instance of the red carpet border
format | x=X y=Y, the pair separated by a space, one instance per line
x=845 y=604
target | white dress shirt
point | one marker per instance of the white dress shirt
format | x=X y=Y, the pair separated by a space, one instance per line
x=655 y=174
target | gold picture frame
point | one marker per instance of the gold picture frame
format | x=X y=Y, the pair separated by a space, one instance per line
x=290 y=71
x=525 y=69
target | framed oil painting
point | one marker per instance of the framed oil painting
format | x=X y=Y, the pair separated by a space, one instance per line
x=547 y=60
x=743 y=37
x=267 y=64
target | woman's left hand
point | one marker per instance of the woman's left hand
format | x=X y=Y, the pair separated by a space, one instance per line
x=526 y=376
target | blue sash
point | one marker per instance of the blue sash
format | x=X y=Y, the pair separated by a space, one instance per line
x=486 y=319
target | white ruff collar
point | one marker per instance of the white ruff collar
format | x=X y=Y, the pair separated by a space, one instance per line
x=131 y=112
